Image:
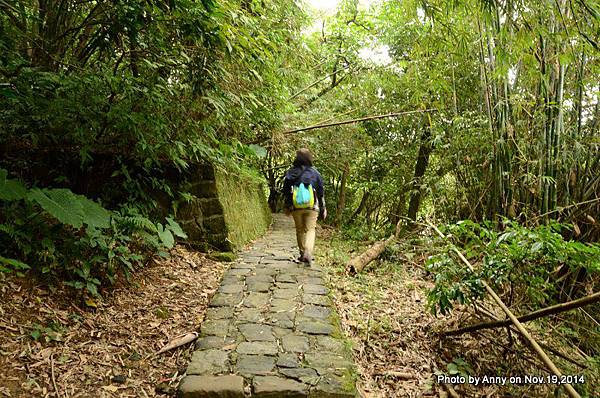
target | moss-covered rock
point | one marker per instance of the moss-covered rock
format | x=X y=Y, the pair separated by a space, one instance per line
x=225 y=257
x=227 y=209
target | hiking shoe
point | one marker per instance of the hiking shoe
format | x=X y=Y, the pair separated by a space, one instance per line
x=308 y=260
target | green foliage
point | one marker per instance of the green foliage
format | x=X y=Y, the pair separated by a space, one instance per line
x=12 y=263
x=10 y=189
x=519 y=261
x=52 y=332
x=56 y=232
x=70 y=209
x=118 y=100
x=459 y=366
x=362 y=232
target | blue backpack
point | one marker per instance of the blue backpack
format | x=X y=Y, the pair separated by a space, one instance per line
x=303 y=196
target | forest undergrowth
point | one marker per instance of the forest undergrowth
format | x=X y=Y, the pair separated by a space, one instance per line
x=398 y=342
x=52 y=347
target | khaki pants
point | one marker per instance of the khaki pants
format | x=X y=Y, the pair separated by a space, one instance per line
x=306 y=222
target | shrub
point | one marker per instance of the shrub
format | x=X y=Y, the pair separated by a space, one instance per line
x=59 y=233
x=520 y=261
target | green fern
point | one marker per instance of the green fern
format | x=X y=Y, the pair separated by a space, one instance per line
x=8 y=230
x=89 y=254
x=14 y=264
x=62 y=204
x=138 y=222
x=94 y=215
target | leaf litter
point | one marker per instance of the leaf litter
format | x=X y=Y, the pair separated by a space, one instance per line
x=52 y=347
x=396 y=340
x=381 y=311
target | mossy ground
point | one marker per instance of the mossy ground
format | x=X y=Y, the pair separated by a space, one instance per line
x=225 y=257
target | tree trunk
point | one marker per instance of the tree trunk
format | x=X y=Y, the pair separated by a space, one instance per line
x=425 y=149
x=361 y=206
x=342 y=197
x=272 y=181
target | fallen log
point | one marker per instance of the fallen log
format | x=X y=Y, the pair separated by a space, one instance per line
x=358 y=263
x=552 y=310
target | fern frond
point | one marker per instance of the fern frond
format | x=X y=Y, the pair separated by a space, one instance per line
x=138 y=222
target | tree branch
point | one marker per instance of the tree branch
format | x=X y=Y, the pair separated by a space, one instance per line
x=552 y=310
x=362 y=119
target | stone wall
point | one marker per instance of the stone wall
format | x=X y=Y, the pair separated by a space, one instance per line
x=227 y=210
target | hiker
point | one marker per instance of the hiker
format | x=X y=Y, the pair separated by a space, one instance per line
x=305 y=201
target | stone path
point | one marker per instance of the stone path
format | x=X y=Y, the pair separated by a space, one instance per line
x=270 y=330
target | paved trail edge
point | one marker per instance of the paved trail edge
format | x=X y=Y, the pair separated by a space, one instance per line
x=271 y=330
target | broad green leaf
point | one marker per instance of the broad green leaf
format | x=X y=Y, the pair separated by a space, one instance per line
x=35 y=334
x=176 y=228
x=94 y=215
x=92 y=288
x=61 y=204
x=11 y=189
x=452 y=368
x=165 y=236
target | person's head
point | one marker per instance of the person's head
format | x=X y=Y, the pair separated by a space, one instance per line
x=303 y=157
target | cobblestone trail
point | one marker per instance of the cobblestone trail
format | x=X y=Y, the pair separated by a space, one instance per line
x=270 y=330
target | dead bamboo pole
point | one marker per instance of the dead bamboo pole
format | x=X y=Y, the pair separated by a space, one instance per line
x=336 y=116
x=539 y=351
x=552 y=310
x=317 y=82
x=362 y=119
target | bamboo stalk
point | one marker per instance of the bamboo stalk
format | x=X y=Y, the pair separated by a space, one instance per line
x=329 y=119
x=540 y=352
x=552 y=310
x=362 y=119
x=317 y=82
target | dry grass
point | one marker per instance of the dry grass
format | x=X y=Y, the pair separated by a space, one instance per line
x=106 y=351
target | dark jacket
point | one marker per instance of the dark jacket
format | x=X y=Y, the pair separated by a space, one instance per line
x=306 y=175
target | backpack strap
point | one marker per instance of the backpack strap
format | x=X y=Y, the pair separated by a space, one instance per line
x=299 y=179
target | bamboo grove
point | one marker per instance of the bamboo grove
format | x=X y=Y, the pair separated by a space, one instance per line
x=515 y=128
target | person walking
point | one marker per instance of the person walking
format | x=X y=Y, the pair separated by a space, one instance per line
x=305 y=201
